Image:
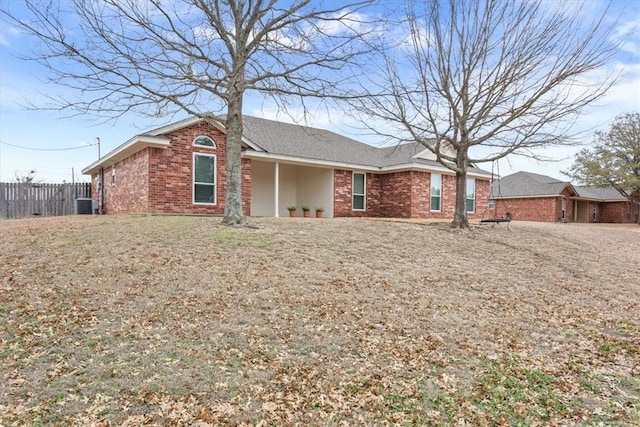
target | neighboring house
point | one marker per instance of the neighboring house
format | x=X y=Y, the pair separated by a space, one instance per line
x=529 y=196
x=180 y=169
x=604 y=204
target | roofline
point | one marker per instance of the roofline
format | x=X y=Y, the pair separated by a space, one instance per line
x=344 y=165
x=535 y=196
x=132 y=146
x=306 y=161
x=193 y=120
x=153 y=139
x=595 y=199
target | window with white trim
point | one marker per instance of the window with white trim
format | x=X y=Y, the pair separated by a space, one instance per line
x=204 y=141
x=359 y=191
x=470 y=198
x=204 y=179
x=436 y=192
x=492 y=204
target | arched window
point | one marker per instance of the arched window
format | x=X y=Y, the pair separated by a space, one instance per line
x=204 y=141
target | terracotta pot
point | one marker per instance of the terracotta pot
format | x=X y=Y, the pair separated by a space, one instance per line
x=318 y=214
x=306 y=214
x=292 y=214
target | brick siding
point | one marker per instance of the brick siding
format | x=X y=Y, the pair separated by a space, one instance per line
x=616 y=212
x=404 y=194
x=157 y=180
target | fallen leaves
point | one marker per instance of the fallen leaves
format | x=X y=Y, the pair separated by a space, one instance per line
x=174 y=321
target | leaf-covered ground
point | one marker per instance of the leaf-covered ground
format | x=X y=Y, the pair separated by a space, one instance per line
x=138 y=320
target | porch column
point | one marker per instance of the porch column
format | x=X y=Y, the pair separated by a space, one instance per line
x=277 y=189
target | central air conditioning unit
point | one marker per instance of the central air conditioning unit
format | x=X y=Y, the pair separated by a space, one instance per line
x=86 y=206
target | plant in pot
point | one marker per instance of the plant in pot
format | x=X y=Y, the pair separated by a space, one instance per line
x=292 y=210
x=306 y=211
x=319 y=212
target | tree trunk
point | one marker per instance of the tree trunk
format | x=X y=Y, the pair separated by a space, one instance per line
x=460 y=219
x=233 y=213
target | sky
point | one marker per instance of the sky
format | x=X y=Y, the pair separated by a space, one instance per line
x=58 y=146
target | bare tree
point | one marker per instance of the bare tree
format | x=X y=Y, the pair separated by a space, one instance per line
x=196 y=56
x=475 y=81
x=27 y=178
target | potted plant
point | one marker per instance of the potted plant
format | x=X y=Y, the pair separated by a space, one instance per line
x=306 y=211
x=319 y=212
x=292 y=210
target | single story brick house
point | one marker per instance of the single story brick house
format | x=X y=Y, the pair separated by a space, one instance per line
x=180 y=169
x=529 y=196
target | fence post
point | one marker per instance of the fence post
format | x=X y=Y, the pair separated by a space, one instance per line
x=20 y=200
x=4 y=208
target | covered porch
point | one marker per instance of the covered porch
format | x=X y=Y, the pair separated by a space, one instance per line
x=275 y=185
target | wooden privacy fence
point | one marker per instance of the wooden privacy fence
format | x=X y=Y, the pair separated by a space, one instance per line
x=21 y=200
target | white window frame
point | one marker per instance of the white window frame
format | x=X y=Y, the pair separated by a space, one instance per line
x=354 y=194
x=431 y=192
x=202 y=145
x=466 y=199
x=215 y=180
x=492 y=203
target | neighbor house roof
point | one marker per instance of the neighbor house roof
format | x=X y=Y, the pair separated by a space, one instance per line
x=603 y=194
x=527 y=184
x=269 y=139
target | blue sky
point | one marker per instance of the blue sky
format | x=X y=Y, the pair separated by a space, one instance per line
x=54 y=145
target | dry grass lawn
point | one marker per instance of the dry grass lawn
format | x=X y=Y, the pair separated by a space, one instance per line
x=141 y=320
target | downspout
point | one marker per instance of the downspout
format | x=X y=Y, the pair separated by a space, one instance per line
x=101 y=190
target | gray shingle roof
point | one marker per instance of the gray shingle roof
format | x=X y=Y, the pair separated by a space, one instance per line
x=307 y=142
x=600 y=193
x=527 y=184
x=319 y=144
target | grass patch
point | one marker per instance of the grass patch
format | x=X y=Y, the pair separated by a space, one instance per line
x=174 y=320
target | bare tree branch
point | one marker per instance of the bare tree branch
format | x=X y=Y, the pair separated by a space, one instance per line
x=477 y=81
x=158 y=58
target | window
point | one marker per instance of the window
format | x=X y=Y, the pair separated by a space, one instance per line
x=470 y=199
x=563 y=215
x=359 y=191
x=113 y=174
x=436 y=192
x=204 y=179
x=492 y=204
x=204 y=141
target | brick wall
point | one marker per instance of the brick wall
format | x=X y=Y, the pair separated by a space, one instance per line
x=157 y=180
x=127 y=190
x=402 y=195
x=616 y=212
x=342 y=189
x=395 y=200
x=171 y=173
x=543 y=209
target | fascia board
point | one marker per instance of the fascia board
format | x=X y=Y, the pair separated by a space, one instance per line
x=216 y=123
x=301 y=161
x=127 y=149
x=535 y=196
x=343 y=165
